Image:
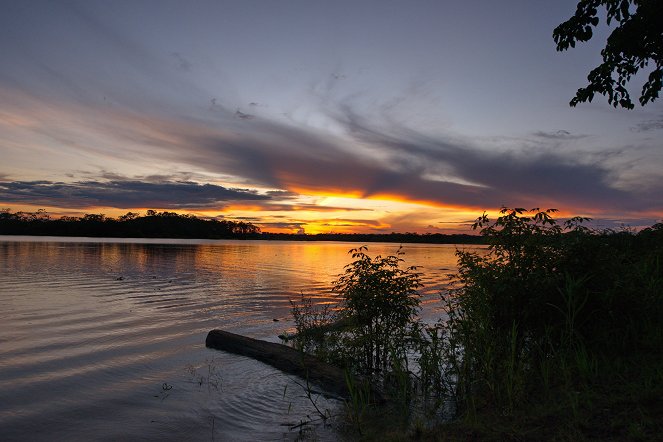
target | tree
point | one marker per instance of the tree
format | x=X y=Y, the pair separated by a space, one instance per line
x=635 y=43
x=94 y=217
x=129 y=216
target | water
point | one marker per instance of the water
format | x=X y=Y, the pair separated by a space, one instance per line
x=104 y=339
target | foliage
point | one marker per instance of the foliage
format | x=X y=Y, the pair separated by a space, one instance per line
x=551 y=326
x=634 y=43
x=371 y=331
x=174 y=225
x=381 y=301
x=312 y=322
x=551 y=308
x=393 y=237
x=371 y=324
x=131 y=225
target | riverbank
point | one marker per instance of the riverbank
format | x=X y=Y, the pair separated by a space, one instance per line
x=628 y=412
x=554 y=334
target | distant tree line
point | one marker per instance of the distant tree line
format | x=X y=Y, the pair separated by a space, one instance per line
x=130 y=225
x=156 y=224
x=408 y=237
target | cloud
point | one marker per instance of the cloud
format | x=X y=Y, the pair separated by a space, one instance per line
x=558 y=135
x=292 y=226
x=181 y=62
x=365 y=158
x=243 y=116
x=273 y=205
x=649 y=125
x=369 y=160
x=243 y=218
x=281 y=194
x=126 y=194
x=349 y=222
x=479 y=177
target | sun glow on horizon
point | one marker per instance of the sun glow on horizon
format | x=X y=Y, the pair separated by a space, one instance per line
x=320 y=212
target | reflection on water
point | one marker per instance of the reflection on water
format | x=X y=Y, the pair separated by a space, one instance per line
x=104 y=339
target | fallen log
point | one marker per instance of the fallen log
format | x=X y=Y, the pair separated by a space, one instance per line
x=330 y=378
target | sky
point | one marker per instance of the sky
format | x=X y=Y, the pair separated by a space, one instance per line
x=316 y=116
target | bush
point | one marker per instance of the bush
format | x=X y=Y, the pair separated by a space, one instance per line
x=370 y=328
x=550 y=304
x=550 y=321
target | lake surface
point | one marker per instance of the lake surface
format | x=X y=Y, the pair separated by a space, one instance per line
x=104 y=339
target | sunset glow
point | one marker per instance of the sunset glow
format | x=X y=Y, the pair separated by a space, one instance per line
x=313 y=130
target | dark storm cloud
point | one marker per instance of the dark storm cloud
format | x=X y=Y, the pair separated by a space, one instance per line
x=123 y=194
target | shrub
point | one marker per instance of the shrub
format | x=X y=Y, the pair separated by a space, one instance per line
x=550 y=299
x=370 y=328
x=381 y=301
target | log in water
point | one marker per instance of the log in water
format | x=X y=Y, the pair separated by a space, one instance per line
x=329 y=377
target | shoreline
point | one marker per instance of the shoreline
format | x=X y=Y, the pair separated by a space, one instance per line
x=176 y=240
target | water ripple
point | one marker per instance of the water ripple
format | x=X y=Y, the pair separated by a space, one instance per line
x=104 y=339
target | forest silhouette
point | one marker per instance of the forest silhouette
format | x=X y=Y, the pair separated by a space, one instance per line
x=165 y=224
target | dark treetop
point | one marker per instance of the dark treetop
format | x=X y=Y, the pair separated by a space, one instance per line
x=635 y=43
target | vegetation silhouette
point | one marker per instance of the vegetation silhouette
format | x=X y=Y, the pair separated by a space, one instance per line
x=393 y=237
x=131 y=225
x=172 y=225
x=369 y=332
x=368 y=328
x=636 y=42
x=554 y=333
